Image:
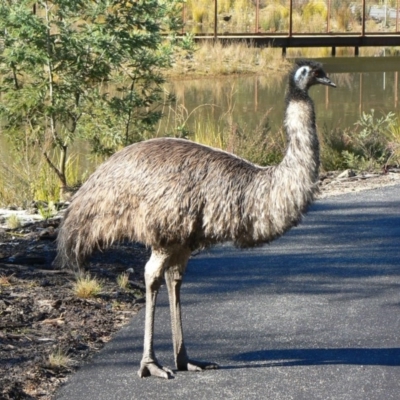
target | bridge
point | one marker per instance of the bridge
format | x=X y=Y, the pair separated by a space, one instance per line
x=309 y=40
x=373 y=25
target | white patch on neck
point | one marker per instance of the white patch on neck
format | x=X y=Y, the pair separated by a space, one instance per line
x=300 y=77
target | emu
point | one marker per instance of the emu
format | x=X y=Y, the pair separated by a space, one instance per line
x=177 y=196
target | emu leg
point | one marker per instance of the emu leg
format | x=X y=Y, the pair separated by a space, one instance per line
x=153 y=275
x=173 y=278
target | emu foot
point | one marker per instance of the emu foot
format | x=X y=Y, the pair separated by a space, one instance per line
x=196 y=366
x=154 y=369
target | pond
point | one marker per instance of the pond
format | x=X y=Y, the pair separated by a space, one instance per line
x=363 y=83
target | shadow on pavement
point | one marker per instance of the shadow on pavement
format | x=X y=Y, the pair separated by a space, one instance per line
x=291 y=357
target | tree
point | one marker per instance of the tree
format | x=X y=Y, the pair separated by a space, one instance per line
x=82 y=69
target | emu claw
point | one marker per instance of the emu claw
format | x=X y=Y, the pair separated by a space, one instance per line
x=197 y=366
x=154 y=369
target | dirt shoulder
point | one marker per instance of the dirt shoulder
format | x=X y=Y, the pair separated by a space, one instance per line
x=42 y=318
x=339 y=182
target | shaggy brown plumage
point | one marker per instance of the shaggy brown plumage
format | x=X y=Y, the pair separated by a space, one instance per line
x=177 y=196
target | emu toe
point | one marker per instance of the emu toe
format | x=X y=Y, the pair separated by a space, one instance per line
x=154 y=369
x=196 y=366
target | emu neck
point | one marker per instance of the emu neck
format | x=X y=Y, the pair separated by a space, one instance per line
x=301 y=162
x=294 y=179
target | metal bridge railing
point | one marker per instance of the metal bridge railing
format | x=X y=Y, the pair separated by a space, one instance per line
x=291 y=17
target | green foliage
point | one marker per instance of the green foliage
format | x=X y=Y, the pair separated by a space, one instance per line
x=45 y=186
x=333 y=144
x=82 y=69
x=369 y=146
x=261 y=146
x=48 y=210
x=370 y=141
x=187 y=43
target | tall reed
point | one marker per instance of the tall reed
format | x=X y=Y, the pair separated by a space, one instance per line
x=26 y=179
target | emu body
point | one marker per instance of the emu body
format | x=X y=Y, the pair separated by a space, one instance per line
x=177 y=196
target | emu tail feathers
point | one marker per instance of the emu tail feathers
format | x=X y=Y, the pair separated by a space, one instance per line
x=72 y=247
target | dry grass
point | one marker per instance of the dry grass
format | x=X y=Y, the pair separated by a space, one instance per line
x=308 y=16
x=14 y=181
x=199 y=13
x=5 y=280
x=87 y=287
x=123 y=281
x=13 y=222
x=274 y=18
x=345 y=19
x=212 y=59
x=224 y=6
x=59 y=359
x=258 y=145
x=314 y=8
x=26 y=178
x=209 y=133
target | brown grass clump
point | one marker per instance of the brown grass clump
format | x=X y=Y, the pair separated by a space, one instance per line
x=58 y=359
x=5 y=280
x=86 y=287
x=123 y=281
x=14 y=222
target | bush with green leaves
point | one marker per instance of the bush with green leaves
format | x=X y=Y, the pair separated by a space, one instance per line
x=82 y=69
x=370 y=141
x=334 y=142
x=372 y=144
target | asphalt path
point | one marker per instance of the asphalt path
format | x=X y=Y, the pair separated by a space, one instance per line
x=314 y=315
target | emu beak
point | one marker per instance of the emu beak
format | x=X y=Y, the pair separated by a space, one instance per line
x=324 y=80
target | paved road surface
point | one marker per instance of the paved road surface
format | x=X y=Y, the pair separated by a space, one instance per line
x=315 y=315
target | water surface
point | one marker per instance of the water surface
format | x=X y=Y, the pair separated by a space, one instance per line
x=363 y=83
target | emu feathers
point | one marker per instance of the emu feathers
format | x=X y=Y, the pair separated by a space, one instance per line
x=177 y=196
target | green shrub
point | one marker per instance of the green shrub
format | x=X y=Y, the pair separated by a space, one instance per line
x=370 y=141
x=373 y=143
x=333 y=143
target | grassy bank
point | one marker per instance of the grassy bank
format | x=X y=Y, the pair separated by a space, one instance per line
x=208 y=59
x=214 y=59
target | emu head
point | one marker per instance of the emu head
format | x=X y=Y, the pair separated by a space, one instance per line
x=308 y=73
